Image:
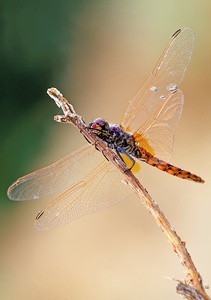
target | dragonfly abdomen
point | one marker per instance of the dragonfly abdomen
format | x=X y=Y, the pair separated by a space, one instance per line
x=173 y=170
x=151 y=160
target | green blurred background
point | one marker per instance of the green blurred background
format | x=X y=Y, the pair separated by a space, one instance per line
x=98 y=53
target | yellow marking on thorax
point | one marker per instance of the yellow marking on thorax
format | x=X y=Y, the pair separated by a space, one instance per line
x=136 y=168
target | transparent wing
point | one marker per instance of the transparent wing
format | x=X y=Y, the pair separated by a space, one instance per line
x=160 y=135
x=101 y=188
x=157 y=95
x=57 y=176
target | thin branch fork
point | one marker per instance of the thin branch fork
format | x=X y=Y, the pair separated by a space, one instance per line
x=192 y=287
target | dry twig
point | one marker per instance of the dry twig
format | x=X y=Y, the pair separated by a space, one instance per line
x=192 y=287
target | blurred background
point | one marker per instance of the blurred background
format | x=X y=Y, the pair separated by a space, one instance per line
x=98 y=53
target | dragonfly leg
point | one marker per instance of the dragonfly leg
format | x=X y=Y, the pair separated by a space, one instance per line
x=86 y=138
x=90 y=142
x=121 y=150
x=104 y=155
x=95 y=144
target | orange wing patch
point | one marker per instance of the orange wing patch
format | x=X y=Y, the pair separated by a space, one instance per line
x=142 y=142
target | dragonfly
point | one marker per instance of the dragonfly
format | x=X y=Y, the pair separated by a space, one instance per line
x=88 y=181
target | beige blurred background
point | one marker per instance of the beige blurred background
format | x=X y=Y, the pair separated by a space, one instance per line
x=118 y=253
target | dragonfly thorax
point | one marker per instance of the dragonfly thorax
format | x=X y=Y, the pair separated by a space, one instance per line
x=115 y=137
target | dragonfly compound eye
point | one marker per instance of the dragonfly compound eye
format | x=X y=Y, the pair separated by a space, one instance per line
x=99 y=124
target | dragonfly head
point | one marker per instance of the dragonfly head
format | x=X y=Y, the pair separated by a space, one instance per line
x=100 y=127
